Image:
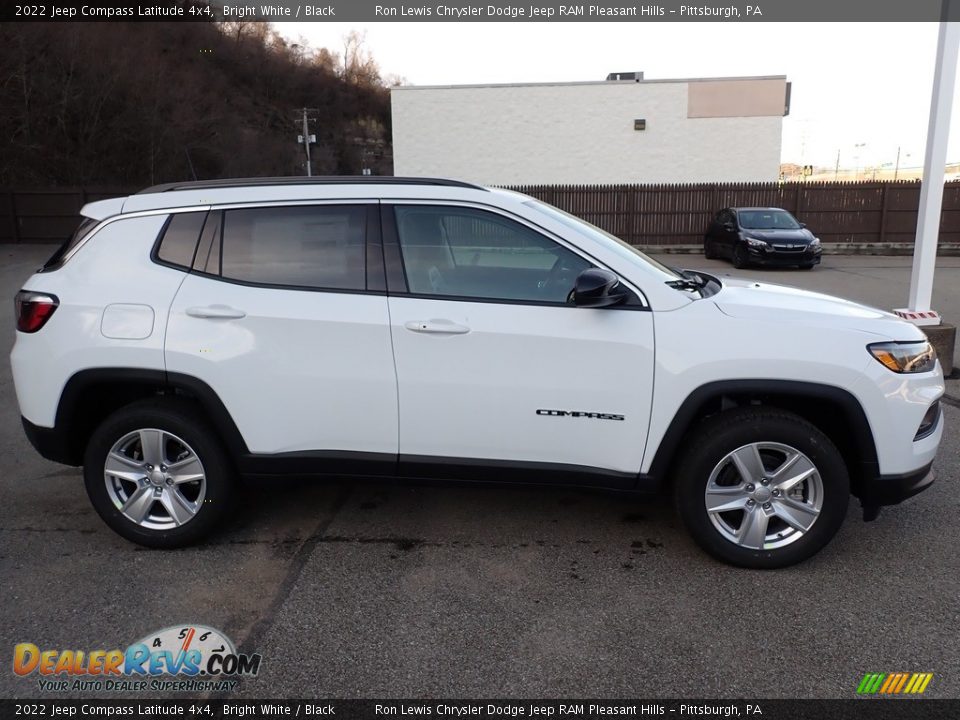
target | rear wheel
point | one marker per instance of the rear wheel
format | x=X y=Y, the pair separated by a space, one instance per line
x=741 y=257
x=761 y=488
x=157 y=475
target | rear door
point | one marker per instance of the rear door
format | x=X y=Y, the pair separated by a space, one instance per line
x=286 y=320
x=495 y=367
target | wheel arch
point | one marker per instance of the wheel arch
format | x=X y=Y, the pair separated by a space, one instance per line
x=89 y=396
x=834 y=410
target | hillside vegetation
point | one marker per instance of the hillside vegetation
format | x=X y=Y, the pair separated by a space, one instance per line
x=121 y=104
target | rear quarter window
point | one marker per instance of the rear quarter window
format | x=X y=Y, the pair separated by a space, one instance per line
x=178 y=240
x=56 y=260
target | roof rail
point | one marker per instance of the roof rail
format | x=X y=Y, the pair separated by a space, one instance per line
x=326 y=180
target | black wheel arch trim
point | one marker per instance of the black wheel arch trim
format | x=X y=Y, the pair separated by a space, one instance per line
x=692 y=407
x=58 y=445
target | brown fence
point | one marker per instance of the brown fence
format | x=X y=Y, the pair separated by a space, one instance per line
x=855 y=212
x=858 y=212
x=36 y=216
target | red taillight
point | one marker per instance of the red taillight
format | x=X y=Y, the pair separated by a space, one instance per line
x=34 y=309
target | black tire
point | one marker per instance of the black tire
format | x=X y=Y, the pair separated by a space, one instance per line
x=710 y=443
x=708 y=251
x=182 y=419
x=741 y=258
x=808 y=266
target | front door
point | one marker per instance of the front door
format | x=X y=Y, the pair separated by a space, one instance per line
x=496 y=368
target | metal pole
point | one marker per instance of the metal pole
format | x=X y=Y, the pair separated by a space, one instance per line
x=896 y=170
x=306 y=142
x=934 y=164
x=836 y=168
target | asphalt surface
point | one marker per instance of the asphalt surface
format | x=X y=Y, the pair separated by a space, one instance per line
x=372 y=590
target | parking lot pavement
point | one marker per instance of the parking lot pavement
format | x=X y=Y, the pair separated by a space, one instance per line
x=365 y=590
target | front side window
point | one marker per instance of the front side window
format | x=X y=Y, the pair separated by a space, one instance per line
x=467 y=253
x=304 y=247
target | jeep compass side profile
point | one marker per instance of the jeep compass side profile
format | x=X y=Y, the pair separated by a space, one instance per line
x=196 y=333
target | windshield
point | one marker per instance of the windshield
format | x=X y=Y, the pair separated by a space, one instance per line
x=767 y=220
x=582 y=226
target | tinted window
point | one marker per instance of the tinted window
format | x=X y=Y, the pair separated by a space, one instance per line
x=460 y=252
x=180 y=238
x=86 y=225
x=314 y=247
x=207 y=259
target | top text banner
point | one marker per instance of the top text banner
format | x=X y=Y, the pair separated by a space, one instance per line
x=495 y=11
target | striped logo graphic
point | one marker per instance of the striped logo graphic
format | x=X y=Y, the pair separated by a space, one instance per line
x=894 y=683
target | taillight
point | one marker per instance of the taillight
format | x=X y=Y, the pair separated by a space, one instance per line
x=34 y=309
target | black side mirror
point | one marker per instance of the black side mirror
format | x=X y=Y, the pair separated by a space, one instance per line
x=729 y=226
x=803 y=225
x=597 y=288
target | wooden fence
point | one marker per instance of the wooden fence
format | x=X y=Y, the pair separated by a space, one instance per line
x=847 y=212
x=844 y=212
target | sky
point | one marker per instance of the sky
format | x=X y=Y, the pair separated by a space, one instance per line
x=862 y=89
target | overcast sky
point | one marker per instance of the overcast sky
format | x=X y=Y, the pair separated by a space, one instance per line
x=866 y=83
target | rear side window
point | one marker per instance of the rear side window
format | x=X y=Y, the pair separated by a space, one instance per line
x=56 y=260
x=179 y=240
x=306 y=247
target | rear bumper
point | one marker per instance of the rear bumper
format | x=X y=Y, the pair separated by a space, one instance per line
x=49 y=443
x=893 y=489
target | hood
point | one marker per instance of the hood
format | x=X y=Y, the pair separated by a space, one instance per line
x=800 y=235
x=752 y=300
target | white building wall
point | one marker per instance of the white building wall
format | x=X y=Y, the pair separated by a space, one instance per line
x=576 y=133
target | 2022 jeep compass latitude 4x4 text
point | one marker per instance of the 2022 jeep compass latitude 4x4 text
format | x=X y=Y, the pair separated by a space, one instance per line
x=191 y=335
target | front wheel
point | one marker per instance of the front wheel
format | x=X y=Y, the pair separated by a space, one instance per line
x=761 y=488
x=807 y=266
x=158 y=475
x=708 y=251
x=741 y=258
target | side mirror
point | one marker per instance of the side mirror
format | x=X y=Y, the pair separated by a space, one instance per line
x=597 y=288
x=803 y=225
x=729 y=226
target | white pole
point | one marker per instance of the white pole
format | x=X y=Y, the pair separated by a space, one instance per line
x=934 y=163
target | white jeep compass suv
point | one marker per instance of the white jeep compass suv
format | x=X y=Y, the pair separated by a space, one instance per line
x=195 y=333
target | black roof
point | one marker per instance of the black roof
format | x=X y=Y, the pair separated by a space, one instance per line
x=295 y=180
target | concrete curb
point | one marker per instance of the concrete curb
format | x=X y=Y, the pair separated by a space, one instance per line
x=945 y=249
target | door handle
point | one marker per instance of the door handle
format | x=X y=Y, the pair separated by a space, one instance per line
x=436 y=327
x=216 y=312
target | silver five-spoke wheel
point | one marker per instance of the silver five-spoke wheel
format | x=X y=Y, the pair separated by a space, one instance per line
x=764 y=495
x=155 y=479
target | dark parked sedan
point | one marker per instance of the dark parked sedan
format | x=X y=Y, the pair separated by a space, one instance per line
x=761 y=236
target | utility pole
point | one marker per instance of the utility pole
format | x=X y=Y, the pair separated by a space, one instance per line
x=305 y=138
x=836 y=168
x=896 y=170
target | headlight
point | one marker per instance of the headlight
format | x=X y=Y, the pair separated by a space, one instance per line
x=907 y=357
x=755 y=242
x=815 y=243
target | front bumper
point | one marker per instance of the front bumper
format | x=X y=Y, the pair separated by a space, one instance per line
x=772 y=256
x=893 y=489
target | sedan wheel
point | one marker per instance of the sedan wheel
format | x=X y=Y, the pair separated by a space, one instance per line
x=741 y=258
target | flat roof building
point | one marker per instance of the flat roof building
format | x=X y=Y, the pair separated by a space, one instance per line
x=613 y=131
